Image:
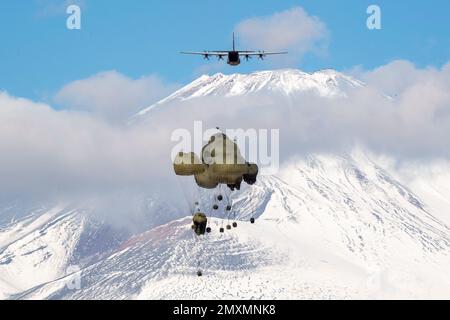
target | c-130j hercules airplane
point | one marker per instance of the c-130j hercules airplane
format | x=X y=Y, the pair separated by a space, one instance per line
x=234 y=56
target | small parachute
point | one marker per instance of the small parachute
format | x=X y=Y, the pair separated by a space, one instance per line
x=199 y=223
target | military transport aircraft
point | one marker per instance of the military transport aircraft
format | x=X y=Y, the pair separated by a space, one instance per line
x=234 y=56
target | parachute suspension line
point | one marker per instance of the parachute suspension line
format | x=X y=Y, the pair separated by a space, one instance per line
x=200 y=243
x=215 y=205
x=229 y=207
x=197 y=252
x=228 y=204
x=217 y=197
x=232 y=212
x=190 y=204
x=199 y=259
x=221 y=225
x=197 y=197
x=253 y=211
x=225 y=198
x=197 y=193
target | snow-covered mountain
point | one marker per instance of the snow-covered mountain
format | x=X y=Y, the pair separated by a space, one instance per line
x=45 y=244
x=326 y=83
x=327 y=226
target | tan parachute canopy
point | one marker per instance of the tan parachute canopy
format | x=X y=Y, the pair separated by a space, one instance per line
x=221 y=163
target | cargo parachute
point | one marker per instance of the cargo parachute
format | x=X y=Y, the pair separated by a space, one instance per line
x=221 y=163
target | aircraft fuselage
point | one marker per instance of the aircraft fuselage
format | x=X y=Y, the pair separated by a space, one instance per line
x=233 y=58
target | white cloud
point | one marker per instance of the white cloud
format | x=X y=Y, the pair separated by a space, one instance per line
x=50 y=8
x=112 y=95
x=293 y=30
x=399 y=75
x=45 y=152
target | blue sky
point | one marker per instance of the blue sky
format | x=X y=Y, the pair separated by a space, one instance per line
x=39 y=55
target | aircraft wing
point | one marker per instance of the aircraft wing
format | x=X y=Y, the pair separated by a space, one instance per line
x=259 y=53
x=208 y=53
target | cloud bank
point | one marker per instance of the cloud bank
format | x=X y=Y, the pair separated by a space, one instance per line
x=293 y=30
x=80 y=152
x=51 y=8
x=112 y=95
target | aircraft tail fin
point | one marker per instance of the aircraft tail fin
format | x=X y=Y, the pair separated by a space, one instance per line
x=234 y=47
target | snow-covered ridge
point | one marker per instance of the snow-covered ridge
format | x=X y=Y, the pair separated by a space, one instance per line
x=326 y=83
x=327 y=227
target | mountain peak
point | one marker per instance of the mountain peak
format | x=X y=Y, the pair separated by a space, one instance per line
x=325 y=83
